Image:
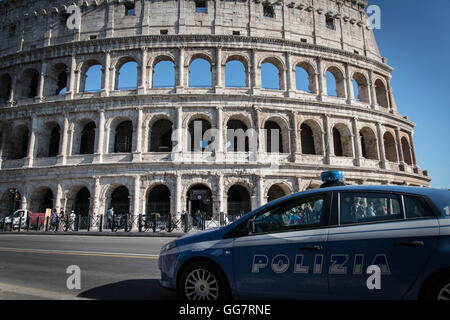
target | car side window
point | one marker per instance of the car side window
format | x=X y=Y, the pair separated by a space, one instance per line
x=415 y=208
x=291 y=215
x=366 y=207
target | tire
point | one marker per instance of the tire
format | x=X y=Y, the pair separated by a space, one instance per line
x=439 y=289
x=202 y=280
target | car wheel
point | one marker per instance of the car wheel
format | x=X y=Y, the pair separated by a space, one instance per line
x=439 y=289
x=203 y=281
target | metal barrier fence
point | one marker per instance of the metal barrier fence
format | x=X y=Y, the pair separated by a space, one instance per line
x=118 y=223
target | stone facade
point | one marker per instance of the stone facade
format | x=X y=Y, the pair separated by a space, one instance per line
x=44 y=152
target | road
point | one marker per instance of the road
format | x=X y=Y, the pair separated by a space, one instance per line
x=35 y=267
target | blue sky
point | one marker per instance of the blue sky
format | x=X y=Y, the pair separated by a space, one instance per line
x=414 y=38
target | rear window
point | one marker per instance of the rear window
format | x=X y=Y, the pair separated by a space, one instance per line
x=366 y=207
x=416 y=208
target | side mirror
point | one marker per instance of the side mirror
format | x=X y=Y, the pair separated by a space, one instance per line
x=251 y=226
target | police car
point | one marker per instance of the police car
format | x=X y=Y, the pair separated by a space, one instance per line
x=319 y=244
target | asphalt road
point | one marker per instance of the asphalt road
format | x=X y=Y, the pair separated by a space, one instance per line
x=35 y=267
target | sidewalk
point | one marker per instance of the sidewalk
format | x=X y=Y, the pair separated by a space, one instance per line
x=105 y=233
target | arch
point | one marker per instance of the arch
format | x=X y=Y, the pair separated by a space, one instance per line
x=197 y=140
x=316 y=135
x=369 y=144
x=57 y=79
x=406 y=148
x=335 y=82
x=272 y=73
x=238 y=200
x=87 y=139
x=126 y=74
x=41 y=199
x=236 y=72
x=17 y=145
x=237 y=136
x=390 y=147
x=305 y=79
x=161 y=136
x=48 y=140
x=360 y=87
x=29 y=83
x=381 y=93
x=200 y=72
x=277 y=191
x=163 y=72
x=82 y=202
x=5 y=87
x=123 y=137
x=342 y=141
x=120 y=200
x=276 y=135
x=158 y=200
x=91 y=76
x=199 y=197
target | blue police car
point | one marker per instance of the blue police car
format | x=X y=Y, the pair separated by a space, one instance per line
x=319 y=244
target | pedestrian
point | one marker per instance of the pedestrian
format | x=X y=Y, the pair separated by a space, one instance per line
x=62 y=218
x=109 y=216
x=197 y=218
x=54 y=219
x=72 y=220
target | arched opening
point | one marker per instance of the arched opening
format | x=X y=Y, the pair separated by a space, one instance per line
x=198 y=141
x=41 y=200
x=381 y=93
x=390 y=147
x=406 y=151
x=368 y=144
x=360 y=88
x=57 y=79
x=237 y=136
x=161 y=136
x=18 y=143
x=307 y=139
x=30 y=84
x=271 y=75
x=274 y=139
x=5 y=88
x=91 y=77
x=275 y=192
x=87 y=141
x=164 y=74
x=335 y=83
x=304 y=78
x=199 y=199
x=200 y=75
x=158 y=200
x=53 y=148
x=342 y=141
x=235 y=74
x=126 y=75
x=238 y=201
x=123 y=137
x=48 y=139
x=82 y=202
x=120 y=201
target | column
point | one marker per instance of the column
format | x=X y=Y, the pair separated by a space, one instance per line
x=137 y=196
x=178 y=190
x=261 y=195
x=373 y=94
x=289 y=75
x=100 y=137
x=63 y=147
x=32 y=141
x=220 y=189
x=322 y=89
x=181 y=71
x=137 y=155
x=327 y=142
x=219 y=76
x=106 y=75
x=110 y=21
x=294 y=136
x=219 y=141
x=72 y=80
x=348 y=78
x=42 y=80
x=177 y=149
x=59 y=195
x=254 y=74
x=356 y=142
x=399 y=147
x=97 y=190
x=143 y=75
x=3 y=146
x=381 y=146
x=391 y=99
x=413 y=150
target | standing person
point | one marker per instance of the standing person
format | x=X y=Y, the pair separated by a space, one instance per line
x=371 y=210
x=109 y=215
x=62 y=218
x=72 y=220
x=197 y=218
x=54 y=219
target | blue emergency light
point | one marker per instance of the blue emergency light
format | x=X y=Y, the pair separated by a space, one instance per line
x=329 y=176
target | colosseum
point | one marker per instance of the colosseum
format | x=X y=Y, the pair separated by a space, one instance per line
x=66 y=145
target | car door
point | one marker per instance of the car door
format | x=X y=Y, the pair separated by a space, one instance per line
x=284 y=258
x=394 y=231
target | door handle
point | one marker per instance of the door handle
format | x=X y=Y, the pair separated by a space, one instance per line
x=311 y=248
x=409 y=243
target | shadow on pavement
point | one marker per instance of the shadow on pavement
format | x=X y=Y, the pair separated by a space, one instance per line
x=137 y=289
